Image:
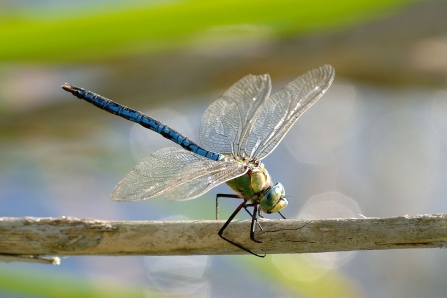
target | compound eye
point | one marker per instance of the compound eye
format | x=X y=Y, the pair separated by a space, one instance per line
x=274 y=200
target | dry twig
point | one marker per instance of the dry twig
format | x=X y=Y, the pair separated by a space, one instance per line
x=37 y=237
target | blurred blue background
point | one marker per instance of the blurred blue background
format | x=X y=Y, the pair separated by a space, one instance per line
x=375 y=144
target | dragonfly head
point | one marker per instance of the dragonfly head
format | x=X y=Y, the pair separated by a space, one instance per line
x=274 y=199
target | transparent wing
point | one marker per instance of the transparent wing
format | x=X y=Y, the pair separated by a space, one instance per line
x=283 y=108
x=151 y=176
x=197 y=179
x=245 y=121
x=227 y=123
x=176 y=173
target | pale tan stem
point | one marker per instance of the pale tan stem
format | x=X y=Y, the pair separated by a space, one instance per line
x=22 y=237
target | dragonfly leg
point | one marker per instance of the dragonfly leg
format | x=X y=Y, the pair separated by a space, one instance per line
x=260 y=213
x=253 y=219
x=252 y=215
x=282 y=215
x=223 y=195
x=228 y=222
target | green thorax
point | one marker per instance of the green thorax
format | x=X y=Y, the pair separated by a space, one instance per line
x=253 y=184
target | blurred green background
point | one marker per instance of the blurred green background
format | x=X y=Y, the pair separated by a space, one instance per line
x=374 y=144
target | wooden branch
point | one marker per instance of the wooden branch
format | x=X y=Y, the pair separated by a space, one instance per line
x=30 y=259
x=71 y=236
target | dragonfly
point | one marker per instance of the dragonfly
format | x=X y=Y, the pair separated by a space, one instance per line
x=237 y=131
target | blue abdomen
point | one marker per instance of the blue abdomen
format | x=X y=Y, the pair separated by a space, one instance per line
x=140 y=118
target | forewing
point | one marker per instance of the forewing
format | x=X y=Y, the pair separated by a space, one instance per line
x=197 y=179
x=228 y=122
x=283 y=108
x=151 y=176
